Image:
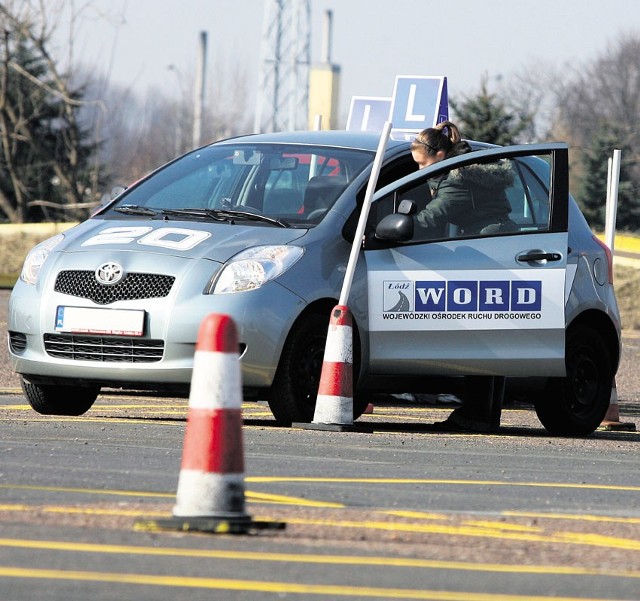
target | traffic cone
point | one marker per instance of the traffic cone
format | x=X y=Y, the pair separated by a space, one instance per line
x=210 y=495
x=334 y=405
x=611 y=419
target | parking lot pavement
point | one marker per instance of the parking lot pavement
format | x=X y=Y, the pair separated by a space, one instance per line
x=399 y=513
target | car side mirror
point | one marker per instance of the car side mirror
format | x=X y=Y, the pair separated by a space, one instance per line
x=397 y=227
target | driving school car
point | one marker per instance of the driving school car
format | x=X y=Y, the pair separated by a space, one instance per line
x=260 y=228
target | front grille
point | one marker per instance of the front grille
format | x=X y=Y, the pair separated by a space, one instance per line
x=105 y=349
x=17 y=342
x=133 y=286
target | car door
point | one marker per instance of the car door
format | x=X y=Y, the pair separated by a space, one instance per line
x=459 y=300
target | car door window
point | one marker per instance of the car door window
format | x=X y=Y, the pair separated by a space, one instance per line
x=500 y=197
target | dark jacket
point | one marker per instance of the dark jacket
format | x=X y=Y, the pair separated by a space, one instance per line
x=472 y=198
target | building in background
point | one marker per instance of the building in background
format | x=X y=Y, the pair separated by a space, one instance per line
x=324 y=84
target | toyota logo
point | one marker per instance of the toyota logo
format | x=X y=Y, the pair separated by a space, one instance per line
x=109 y=273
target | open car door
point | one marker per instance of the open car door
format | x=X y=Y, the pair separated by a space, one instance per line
x=462 y=301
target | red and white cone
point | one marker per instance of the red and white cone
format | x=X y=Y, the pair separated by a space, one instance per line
x=211 y=479
x=335 y=392
x=334 y=405
x=611 y=419
x=210 y=495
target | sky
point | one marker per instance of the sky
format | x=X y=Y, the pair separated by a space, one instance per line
x=134 y=42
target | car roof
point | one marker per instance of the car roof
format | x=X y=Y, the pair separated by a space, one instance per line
x=362 y=140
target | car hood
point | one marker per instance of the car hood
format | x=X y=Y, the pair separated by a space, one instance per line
x=186 y=239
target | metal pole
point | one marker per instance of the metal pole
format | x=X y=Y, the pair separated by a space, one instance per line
x=612 y=200
x=364 y=214
x=198 y=100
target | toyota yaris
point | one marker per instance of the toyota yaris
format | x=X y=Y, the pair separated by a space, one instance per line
x=260 y=228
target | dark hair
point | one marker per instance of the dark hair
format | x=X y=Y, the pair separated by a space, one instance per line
x=445 y=136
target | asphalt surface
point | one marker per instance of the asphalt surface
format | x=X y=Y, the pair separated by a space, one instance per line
x=401 y=512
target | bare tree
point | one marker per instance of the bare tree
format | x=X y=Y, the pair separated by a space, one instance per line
x=142 y=131
x=603 y=99
x=44 y=148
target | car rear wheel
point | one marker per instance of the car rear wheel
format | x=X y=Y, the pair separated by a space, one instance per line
x=576 y=404
x=58 y=399
x=292 y=397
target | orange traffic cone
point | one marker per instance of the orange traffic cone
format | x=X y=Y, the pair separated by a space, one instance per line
x=334 y=405
x=210 y=495
x=611 y=419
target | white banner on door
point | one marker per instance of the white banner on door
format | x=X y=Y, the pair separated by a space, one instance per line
x=466 y=300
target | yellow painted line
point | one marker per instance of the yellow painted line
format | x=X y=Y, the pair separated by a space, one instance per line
x=471 y=528
x=502 y=526
x=262 y=586
x=356 y=560
x=481 y=532
x=99 y=420
x=90 y=491
x=256 y=497
x=331 y=480
x=418 y=515
x=571 y=516
x=311 y=558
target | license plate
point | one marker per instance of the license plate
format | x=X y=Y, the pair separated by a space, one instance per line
x=115 y=322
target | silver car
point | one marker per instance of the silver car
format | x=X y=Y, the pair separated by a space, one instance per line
x=260 y=228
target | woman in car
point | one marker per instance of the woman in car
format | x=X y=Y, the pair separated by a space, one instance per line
x=473 y=199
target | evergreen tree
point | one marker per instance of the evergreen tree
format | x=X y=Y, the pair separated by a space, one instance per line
x=44 y=153
x=486 y=118
x=593 y=191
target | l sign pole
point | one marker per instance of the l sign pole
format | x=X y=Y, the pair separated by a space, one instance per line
x=612 y=200
x=364 y=214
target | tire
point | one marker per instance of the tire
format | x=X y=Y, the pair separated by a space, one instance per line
x=59 y=400
x=293 y=394
x=576 y=404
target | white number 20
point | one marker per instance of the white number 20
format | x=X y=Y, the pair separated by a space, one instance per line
x=175 y=238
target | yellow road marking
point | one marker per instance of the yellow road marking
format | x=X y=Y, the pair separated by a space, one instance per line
x=470 y=528
x=356 y=560
x=90 y=491
x=571 y=516
x=482 y=532
x=332 y=480
x=257 y=497
x=271 y=587
x=419 y=515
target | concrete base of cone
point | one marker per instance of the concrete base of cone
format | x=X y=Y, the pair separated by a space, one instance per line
x=210 y=525
x=617 y=426
x=333 y=427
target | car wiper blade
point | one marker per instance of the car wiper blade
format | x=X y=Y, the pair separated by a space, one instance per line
x=135 y=210
x=232 y=214
x=200 y=213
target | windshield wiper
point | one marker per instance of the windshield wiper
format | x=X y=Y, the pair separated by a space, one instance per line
x=200 y=213
x=225 y=215
x=135 y=210
x=232 y=213
x=215 y=214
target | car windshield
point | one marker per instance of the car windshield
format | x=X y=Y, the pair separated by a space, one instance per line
x=275 y=184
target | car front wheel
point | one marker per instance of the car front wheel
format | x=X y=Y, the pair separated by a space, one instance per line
x=576 y=404
x=57 y=399
x=292 y=397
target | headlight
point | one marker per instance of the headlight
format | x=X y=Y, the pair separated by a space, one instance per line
x=253 y=267
x=36 y=257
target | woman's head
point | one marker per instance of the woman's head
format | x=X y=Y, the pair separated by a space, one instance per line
x=437 y=143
